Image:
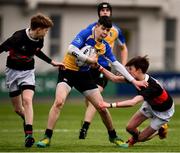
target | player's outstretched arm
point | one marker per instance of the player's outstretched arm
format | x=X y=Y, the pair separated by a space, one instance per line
x=121 y=69
x=111 y=76
x=125 y=103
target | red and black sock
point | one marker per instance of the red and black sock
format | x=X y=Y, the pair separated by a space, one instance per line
x=28 y=129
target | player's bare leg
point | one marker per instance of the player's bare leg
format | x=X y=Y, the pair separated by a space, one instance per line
x=89 y=115
x=27 y=96
x=146 y=134
x=95 y=98
x=18 y=108
x=62 y=91
x=132 y=125
x=161 y=133
x=17 y=105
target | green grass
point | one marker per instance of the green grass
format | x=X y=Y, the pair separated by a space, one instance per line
x=65 y=138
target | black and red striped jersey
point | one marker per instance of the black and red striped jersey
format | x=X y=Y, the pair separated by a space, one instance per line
x=157 y=97
x=22 y=48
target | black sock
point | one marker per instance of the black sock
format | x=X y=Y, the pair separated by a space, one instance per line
x=112 y=134
x=85 y=125
x=135 y=134
x=28 y=129
x=49 y=133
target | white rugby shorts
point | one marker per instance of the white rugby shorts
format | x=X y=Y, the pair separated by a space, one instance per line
x=17 y=78
x=157 y=118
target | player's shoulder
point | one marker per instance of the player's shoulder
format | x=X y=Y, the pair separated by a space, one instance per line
x=116 y=28
x=85 y=32
x=19 y=33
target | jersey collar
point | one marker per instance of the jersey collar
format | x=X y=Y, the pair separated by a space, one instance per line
x=146 y=77
x=27 y=33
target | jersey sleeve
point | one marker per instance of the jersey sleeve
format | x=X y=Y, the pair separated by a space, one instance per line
x=12 y=42
x=121 y=38
x=42 y=56
x=81 y=38
x=108 y=53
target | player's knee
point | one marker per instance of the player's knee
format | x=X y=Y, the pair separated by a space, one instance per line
x=27 y=101
x=59 y=103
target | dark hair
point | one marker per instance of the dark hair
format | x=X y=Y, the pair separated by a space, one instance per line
x=139 y=63
x=105 y=21
x=40 y=21
x=103 y=5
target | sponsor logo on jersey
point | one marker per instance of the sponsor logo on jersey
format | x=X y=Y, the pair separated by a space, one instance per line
x=78 y=40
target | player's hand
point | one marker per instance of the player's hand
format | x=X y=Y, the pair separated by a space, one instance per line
x=139 y=84
x=95 y=66
x=58 y=64
x=93 y=59
x=104 y=105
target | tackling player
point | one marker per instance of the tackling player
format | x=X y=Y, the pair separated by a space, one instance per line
x=115 y=35
x=20 y=78
x=157 y=103
x=81 y=79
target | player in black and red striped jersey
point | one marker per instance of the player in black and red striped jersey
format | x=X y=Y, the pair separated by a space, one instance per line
x=20 y=77
x=157 y=103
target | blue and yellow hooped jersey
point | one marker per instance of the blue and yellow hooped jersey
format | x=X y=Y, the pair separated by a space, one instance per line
x=115 y=34
x=86 y=37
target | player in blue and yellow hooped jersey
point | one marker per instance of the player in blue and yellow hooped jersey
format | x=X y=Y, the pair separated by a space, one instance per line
x=82 y=80
x=115 y=35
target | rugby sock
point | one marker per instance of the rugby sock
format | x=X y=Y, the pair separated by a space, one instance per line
x=28 y=129
x=85 y=125
x=112 y=134
x=49 y=133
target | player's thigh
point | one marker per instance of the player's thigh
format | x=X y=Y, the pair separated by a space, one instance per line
x=136 y=120
x=27 y=95
x=95 y=97
x=62 y=91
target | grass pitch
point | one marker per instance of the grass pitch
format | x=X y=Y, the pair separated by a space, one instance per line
x=65 y=137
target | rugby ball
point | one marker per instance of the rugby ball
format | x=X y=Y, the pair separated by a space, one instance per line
x=87 y=50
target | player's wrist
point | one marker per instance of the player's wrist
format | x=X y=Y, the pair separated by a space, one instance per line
x=100 y=68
